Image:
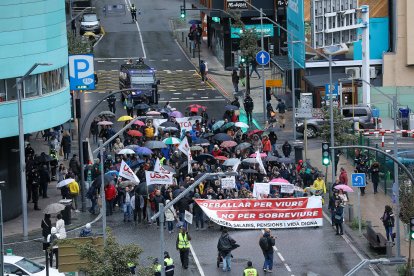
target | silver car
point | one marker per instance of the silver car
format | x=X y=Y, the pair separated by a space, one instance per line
x=89 y=22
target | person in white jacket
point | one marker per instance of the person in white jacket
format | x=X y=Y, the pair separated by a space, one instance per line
x=52 y=240
x=170 y=216
x=60 y=226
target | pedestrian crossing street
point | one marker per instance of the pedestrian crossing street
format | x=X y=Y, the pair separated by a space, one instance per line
x=171 y=81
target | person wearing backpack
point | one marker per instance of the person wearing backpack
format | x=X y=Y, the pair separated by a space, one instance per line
x=281 y=107
x=225 y=245
x=266 y=243
x=52 y=239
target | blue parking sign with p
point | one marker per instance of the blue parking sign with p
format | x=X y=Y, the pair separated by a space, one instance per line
x=81 y=72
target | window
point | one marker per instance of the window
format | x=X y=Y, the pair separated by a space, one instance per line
x=359 y=112
x=57 y=78
x=31 y=86
x=12 y=269
x=30 y=266
x=11 y=92
x=2 y=90
x=47 y=83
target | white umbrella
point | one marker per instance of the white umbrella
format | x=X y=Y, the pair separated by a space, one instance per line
x=231 y=162
x=241 y=124
x=64 y=182
x=53 y=208
x=105 y=123
x=126 y=151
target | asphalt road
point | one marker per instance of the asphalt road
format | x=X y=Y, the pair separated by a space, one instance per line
x=299 y=251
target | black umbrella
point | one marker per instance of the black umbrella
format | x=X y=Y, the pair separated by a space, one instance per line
x=205 y=157
x=231 y=107
x=43 y=158
x=271 y=158
x=286 y=160
x=143 y=189
x=168 y=124
x=206 y=135
x=142 y=106
x=185 y=164
x=221 y=137
x=210 y=177
x=201 y=142
x=97 y=182
x=243 y=146
x=250 y=171
x=194 y=21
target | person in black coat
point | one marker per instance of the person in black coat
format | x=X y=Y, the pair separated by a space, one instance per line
x=286 y=149
x=44 y=179
x=248 y=107
x=46 y=226
x=339 y=217
x=375 y=175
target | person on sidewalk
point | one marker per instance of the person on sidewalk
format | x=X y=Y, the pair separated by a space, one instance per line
x=242 y=74
x=339 y=217
x=266 y=243
x=225 y=245
x=74 y=166
x=343 y=176
x=52 y=239
x=250 y=270
x=286 y=149
x=281 y=107
x=60 y=226
x=375 y=175
x=86 y=231
x=170 y=217
x=46 y=226
x=248 y=107
x=65 y=145
x=254 y=68
x=388 y=221
x=202 y=71
x=74 y=193
x=235 y=80
x=183 y=246
x=44 y=179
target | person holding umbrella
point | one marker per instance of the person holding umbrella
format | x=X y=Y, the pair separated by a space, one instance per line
x=46 y=226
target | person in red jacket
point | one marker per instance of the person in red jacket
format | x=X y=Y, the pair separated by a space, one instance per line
x=267 y=146
x=216 y=151
x=110 y=195
x=299 y=166
x=343 y=177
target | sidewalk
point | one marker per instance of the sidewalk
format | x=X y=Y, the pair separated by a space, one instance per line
x=372 y=206
x=13 y=229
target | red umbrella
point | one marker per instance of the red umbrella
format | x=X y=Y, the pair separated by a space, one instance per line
x=262 y=155
x=194 y=109
x=196 y=106
x=222 y=158
x=228 y=144
x=135 y=133
x=139 y=123
x=256 y=131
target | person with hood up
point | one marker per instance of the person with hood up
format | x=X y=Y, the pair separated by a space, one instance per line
x=86 y=231
x=388 y=220
x=343 y=177
x=170 y=216
x=225 y=245
x=117 y=145
x=46 y=226
x=266 y=243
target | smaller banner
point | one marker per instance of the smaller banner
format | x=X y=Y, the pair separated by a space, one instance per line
x=260 y=189
x=228 y=182
x=186 y=123
x=188 y=217
x=159 y=178
x=262 y=213
x=126 y=172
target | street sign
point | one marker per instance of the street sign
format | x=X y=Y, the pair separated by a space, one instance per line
x=274 y=83
x=262 y=58
x=304 y=113
x=306 y=100
x=236 y=5
x=81 y=72
x=334 y=22
x=358 y=180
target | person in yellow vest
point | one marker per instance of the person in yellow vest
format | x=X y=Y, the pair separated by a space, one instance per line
x=183 y=245
x=157 y=267
x=250 y=270
x=132 y=267
x=169 y=264
x=74 y=192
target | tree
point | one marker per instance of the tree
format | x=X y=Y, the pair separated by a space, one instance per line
x=78 y=44
x=342 y=128
x=113 y=259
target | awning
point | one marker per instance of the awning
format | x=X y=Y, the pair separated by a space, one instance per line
x=283 y=63
x=322 y=80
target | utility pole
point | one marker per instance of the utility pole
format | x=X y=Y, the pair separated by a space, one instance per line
x=292 y=70
x=263 y=71
x=103 y=208
x=331 y=119
x=396 y=180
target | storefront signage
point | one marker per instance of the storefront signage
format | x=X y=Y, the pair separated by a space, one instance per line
x=237 y=5
x=267 y=30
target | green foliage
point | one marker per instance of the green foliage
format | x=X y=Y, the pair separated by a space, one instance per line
x=79 y=44
x=354 y=224
x=342 y=128
x=402 y=270
x=248 y=38
x=112 y=260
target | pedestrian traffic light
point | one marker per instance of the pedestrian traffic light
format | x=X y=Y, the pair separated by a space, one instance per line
x=326 y=155
x=182 y=12
x=412 y=228
x=243 y=59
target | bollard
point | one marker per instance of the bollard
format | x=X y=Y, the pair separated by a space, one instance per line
x=182 y=36
x=194 y=52
x=350 y=212
x=389 y=249
x=186 y=42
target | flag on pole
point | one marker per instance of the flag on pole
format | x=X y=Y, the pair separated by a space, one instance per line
x=157 y=167
x=190 y=158
x=259 y=160
x=126 y=172
x=184 y=147
x=236 y=166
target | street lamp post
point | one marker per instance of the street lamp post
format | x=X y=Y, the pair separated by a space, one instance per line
x=21 y=144
x=263 y=71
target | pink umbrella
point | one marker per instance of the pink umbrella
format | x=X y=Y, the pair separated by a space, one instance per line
x=139 y=123
x=262 y=155
x=153 y=113
x=228 y=144
x=105 y=123
x=279 y=180
x=176 y=114
x=344 y=188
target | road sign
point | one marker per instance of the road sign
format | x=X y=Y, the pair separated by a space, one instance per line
x=274 y=83
x=358 y=180
x=81 y=72
x=263 y=58
x=304 y=113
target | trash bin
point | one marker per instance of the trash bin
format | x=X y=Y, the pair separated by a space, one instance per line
x=298 y=153
x=404 y=114
x=66 y=213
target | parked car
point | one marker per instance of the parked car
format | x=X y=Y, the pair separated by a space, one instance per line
x=89 y=22
x=362 y=113
x=19 y=266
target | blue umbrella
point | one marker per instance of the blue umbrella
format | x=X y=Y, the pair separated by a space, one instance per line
x=194 y=21
x=217 y=125
x=143 y=151
x=112 y=173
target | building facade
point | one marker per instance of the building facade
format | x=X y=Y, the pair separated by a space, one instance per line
x=31 y=31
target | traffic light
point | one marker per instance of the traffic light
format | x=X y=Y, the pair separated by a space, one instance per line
x=326 y=155
x=243 y=59
x=182 y=12
x=412 y=228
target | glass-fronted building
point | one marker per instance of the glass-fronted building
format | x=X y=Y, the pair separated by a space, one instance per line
x=31 y=31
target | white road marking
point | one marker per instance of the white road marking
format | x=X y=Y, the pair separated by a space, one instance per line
x=172 y=90
x=201 y=89
x=139 y=32
x=281 y=257
x=99 y=40
x=178 y=59
x=179 y=70
x=167 y=71
x=175 y=98
x=200 y=269
x=189 y=98
x=352 y=246
x=189 y=101
x=124 y=58
x=204 y=97
x=114 y=70
x=177 y=93
x=287 y=267
x=218 y=97
x=100 y=61
x=165 y=59
x=114 y=60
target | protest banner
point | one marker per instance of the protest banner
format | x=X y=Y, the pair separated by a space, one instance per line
x=228 y=182
x=261 y=189
x=188 y=217
x=264 y=213
x=126 y=172
x=186 y=123
x=158 y=178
